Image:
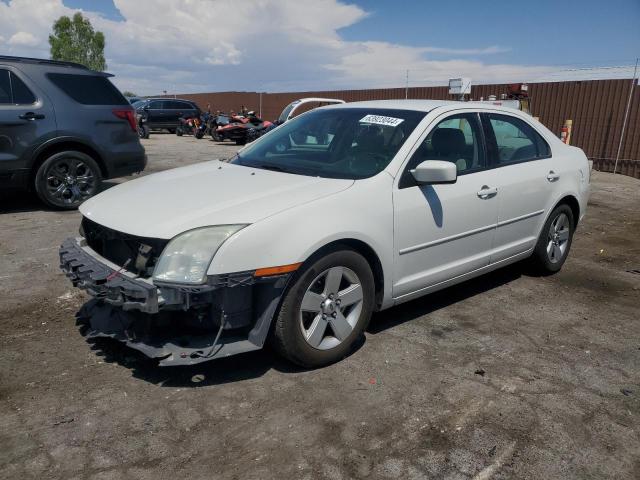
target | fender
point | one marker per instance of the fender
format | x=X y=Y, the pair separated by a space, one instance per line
x=66 y=139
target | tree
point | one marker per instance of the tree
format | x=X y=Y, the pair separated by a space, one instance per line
x=75 y=40
x=128 y=93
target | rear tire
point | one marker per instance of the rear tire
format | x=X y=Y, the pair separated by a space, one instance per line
x=326 y=309
x=144 y=131
x=179 y=131
x=554 y=242
x=66 y=179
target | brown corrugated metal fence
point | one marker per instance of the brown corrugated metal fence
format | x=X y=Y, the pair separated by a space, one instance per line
x=596 y=107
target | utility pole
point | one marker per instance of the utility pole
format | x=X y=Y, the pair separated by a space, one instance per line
x=626 y=115
x=406 y=87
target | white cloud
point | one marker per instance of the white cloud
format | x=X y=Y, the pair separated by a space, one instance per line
x=23 y=39
x=267 y=45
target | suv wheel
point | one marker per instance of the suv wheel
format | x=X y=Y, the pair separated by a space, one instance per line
x=66 y=179
x=555 y=241
x=326 y=309
x=143 y=131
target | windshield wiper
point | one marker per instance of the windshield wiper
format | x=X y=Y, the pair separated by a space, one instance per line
x=275 y=168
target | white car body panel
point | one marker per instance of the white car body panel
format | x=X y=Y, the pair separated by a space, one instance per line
x=307 y=100
x=421 y=246
x=165 y=204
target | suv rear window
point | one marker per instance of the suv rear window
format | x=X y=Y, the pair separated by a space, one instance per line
x=88 y=89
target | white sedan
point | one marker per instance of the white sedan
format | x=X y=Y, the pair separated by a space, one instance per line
x=340 y=212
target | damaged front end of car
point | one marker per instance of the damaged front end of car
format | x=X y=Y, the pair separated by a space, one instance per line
x=176 y=323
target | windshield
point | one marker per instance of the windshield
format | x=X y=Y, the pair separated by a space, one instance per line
x=138 y=104
x=349 y=143
x=287 y=110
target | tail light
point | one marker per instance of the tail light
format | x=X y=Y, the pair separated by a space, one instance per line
x=127 y=114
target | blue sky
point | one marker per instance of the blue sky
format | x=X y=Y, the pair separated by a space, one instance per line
x=280 y=45
x=591 y=32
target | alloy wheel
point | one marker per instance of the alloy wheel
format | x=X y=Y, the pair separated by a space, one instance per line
x=558 y=238
x=331 y=307
x=70 y=181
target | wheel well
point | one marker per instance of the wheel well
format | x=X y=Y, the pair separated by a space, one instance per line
x=60 y=147
x=370 y=256
x=573 y=204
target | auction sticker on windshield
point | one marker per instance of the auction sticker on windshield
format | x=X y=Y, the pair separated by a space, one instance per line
x=382 y=120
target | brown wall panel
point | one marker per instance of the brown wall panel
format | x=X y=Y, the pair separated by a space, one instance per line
x=596 y=107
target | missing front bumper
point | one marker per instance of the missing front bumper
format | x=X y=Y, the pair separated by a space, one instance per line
x=176 y=324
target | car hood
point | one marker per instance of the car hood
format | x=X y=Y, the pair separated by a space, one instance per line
x=165 y=204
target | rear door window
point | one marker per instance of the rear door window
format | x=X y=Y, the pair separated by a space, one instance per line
x=177 y=105
x=21 y=93
x=516 y=141
x=5 y=87
x=13 y=91
x=88 y=89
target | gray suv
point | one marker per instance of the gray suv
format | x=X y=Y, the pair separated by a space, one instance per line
x=63 y=128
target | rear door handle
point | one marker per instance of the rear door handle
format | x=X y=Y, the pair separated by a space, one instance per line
x=31 y=116
x=552 y=176
x=487 y=192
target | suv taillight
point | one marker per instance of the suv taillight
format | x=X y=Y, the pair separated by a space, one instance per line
x=127 y=114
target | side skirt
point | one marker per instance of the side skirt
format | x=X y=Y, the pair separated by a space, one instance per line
x=461 y=278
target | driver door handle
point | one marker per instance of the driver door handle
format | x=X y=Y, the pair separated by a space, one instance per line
x=487 y=192
x=31 y=116
x=552 y=176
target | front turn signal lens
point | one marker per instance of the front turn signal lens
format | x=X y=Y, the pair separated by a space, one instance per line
x=270 y=271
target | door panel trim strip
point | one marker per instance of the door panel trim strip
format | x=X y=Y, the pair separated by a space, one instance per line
x=440 y=241
x=521 y=217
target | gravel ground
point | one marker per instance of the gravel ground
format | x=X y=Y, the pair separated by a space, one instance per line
x=505 y=376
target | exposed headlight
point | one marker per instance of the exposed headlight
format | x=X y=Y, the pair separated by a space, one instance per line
x=187 y=257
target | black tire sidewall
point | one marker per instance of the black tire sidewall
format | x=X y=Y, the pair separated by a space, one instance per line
x=540 y=258
x=40 y=178
x=289 y=338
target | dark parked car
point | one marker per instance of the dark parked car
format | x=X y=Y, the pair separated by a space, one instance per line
x=63 y=128
x=166 y=112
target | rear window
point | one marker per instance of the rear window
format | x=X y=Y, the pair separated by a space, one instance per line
x=88 y=89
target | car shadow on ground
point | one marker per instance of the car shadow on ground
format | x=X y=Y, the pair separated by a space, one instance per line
x=255 y=364
x=419 y=307
x=21 y=201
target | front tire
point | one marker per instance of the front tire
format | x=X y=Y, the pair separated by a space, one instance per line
x=326 y=309
x=66 y=179
x=554 y=242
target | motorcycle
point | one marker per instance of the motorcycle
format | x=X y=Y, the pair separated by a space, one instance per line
x=243 y=129
x=204 y=126
x=188 y=126
x=142 y=127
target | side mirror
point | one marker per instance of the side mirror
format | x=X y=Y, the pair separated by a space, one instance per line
x=434 y=172
x=145 y=108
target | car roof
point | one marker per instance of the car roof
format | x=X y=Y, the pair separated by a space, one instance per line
x=51 y=65
x=167 y=98
x=421 y=105
x=318 y=99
